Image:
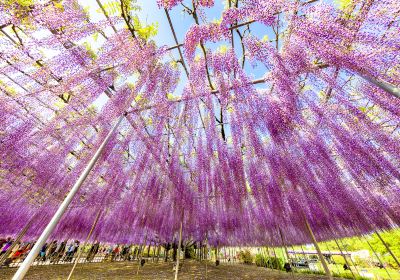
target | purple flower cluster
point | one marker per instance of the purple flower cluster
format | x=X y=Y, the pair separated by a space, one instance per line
x=313 y=141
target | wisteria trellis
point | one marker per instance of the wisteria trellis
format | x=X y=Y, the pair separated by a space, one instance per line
x=317 y=141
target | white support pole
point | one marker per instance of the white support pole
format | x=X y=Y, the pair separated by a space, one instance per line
x=395 y=91
x=324 y=264
x=23 y=269
x=179 y=252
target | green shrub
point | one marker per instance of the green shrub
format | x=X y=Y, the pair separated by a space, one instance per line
x=190 y=253
x=275 y=263
x=246 y=257
x=260 y=260
x=264 y=261
x=338 y=260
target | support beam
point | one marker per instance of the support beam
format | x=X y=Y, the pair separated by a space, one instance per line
x=344 y=256
x=395 y=91
x=324 y=264
x=84 y=244
x=179 y=252
x=284 y=245
x=379 y=259
x=387 y=248
x=18 y=239
x=140 y=253
x=351 y=260
x=23 y=269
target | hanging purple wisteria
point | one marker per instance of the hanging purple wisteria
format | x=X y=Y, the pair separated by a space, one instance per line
x=315 y=138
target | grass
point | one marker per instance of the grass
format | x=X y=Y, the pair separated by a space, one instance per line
x=377 y=272
x=338 y=271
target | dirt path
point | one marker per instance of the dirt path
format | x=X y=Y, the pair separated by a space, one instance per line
x=154 y=271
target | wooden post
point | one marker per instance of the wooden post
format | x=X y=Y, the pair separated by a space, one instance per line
x=351 y=260
x=287 y=253
x=184 y=253
x=200 y=251
x=140 y=253
x=206 y=255
x=148 y=250
x=336 y=265
x=84 y=244
x=324 y=264
x=376 y=255
x=266 y=253
x=158 y=252
x=352 y=273
x=284 y=245
x=18 y=239
x=294 y=252
x=179 y=252
x=387 y=248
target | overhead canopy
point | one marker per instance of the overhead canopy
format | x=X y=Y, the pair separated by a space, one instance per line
x=242 y=137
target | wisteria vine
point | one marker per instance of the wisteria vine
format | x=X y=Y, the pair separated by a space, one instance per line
x=317 y=141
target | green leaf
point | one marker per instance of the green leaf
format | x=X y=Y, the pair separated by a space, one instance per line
x=343 y=4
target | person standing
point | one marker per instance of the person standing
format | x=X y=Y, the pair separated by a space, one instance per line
x=70 y=252
x=93 y=251
x=42 y=254
x=51 y=250
x=6 y=245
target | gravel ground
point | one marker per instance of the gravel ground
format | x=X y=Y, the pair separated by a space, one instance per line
x=152 y=271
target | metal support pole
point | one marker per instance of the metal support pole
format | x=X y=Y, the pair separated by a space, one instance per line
x=387 y=248
x=324 y=264
x=179 y=252
x=395 y=91
x=23 y=269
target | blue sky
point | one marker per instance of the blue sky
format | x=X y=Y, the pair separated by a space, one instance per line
x=150 y=13
x=182 y=22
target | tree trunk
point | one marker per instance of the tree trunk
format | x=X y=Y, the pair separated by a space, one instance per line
x=175 y=251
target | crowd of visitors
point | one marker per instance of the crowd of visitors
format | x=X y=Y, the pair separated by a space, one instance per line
x=65 y=251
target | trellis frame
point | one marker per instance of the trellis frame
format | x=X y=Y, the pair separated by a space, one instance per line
x=387 y=87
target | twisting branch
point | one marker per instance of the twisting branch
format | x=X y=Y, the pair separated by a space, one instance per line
x=106 y=15
x=203 y=48
x=241 y=36
x=127 y=17
x=187 y=9
x=17 y=35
